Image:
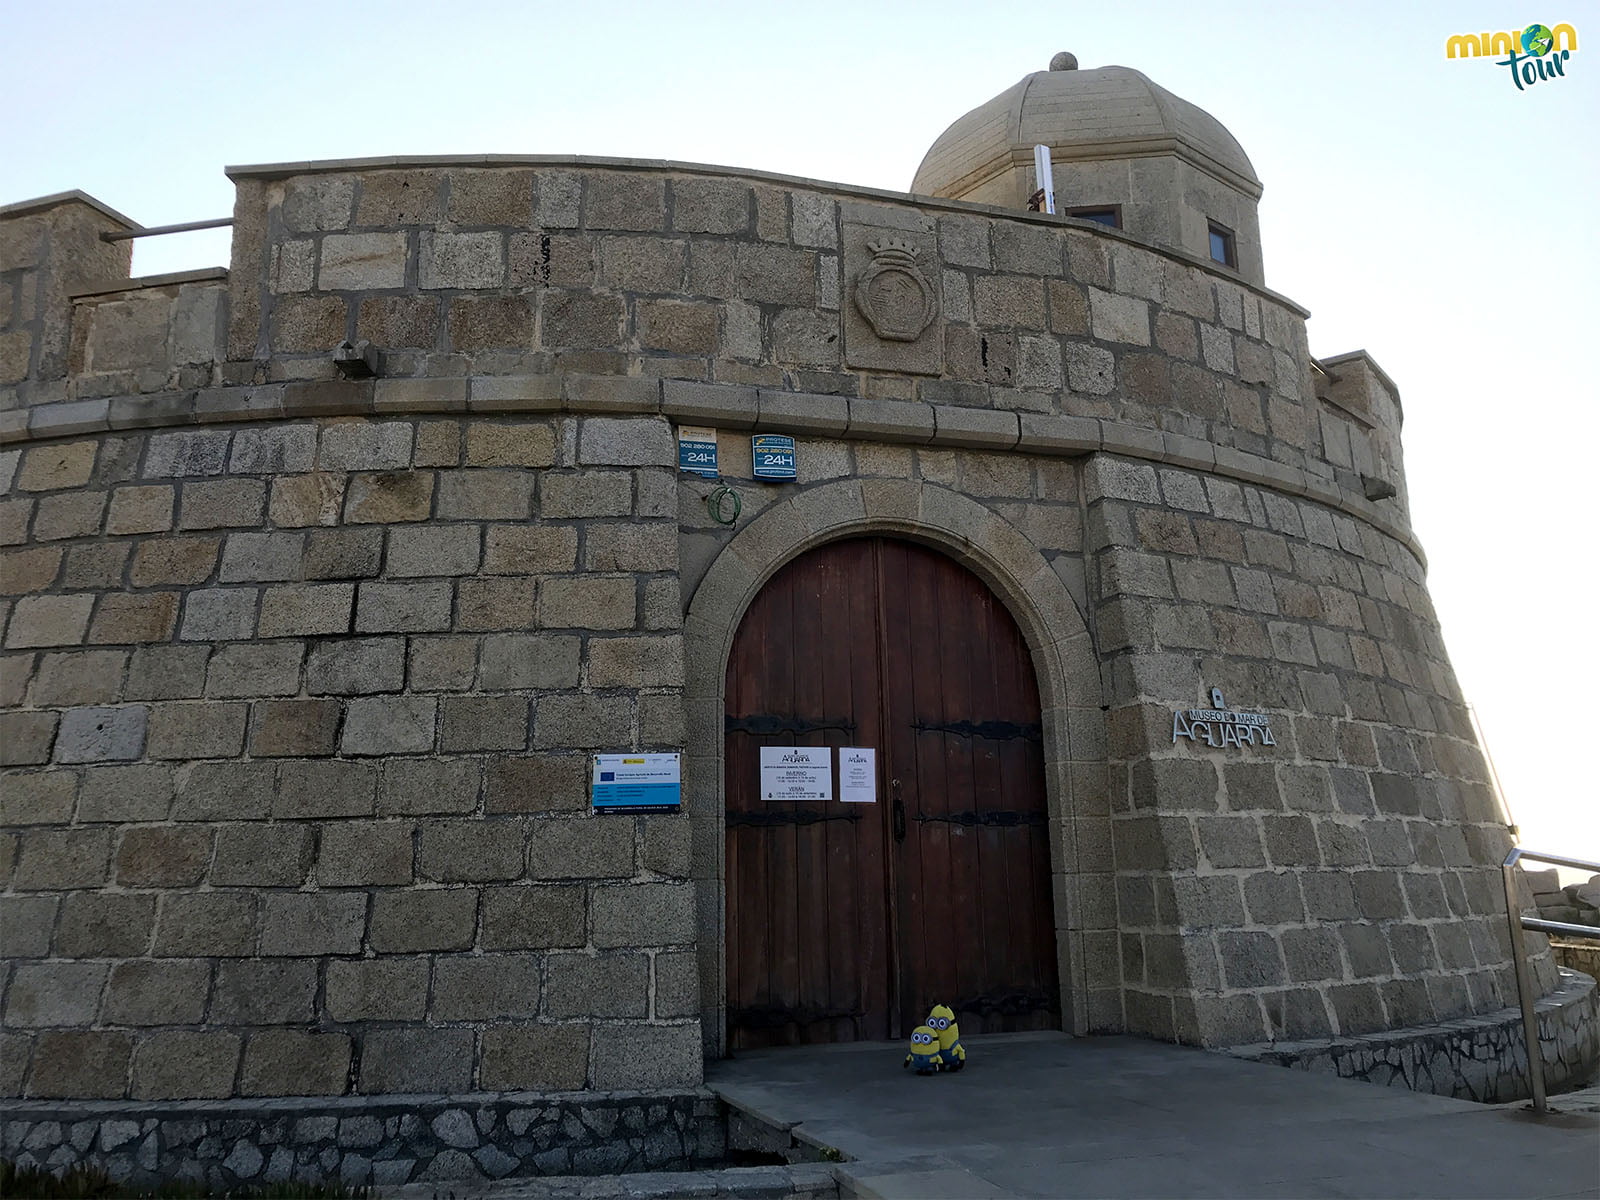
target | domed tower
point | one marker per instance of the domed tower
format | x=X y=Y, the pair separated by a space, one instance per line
x=1127 y=153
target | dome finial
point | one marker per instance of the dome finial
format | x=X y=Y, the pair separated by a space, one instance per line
x=1064 y=61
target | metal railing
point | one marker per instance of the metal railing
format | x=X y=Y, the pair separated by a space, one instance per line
x=123 y=235
x=1519 y=954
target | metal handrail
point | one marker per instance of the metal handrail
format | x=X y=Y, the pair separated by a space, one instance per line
x=123 y=235
x=1519 y=954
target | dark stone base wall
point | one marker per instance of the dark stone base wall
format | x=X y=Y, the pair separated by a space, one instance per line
x=1478 y=1058
x=387 y=1142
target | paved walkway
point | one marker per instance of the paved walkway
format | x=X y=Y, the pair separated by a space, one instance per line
x=1048 y=1115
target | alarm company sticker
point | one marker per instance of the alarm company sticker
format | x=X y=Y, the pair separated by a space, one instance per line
x=772 y=456
x=697 y=450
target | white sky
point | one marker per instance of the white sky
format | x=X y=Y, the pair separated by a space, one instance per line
x=1422 y=208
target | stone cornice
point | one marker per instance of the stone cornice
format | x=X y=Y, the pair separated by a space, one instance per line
x=727 y=406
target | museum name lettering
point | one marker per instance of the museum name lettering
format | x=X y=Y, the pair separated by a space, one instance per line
x=1222 y=727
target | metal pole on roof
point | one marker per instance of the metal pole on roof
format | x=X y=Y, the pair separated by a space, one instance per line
x=1042 y=177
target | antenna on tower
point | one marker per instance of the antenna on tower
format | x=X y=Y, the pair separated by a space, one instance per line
x=1045 y=183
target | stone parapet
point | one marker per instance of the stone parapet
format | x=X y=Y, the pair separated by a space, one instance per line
x=467 y=267
x=1479 y=1058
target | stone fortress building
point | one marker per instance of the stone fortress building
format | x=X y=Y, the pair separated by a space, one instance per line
x=326 y=574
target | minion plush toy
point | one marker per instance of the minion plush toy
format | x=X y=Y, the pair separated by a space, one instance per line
x=952 y=1054
x=924 y=1054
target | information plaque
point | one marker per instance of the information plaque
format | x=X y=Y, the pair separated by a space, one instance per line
x=796 y=773
x=636 y=783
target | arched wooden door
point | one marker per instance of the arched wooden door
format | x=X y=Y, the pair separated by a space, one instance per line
x=847 y=921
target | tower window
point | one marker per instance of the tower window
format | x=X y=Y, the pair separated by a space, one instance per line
x=1222 y=250
x=1109 y=215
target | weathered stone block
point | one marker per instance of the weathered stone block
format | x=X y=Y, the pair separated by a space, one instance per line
x=582 y=721
x=187 y=560
x=646 y=1056
x=325 y=789
x=677 y=987
x=27 y=925
x=206 y=925
x=300 y=500
x=165 y=992
x=362 y=262
x=383 y=989
x=469 y=723
x=626 y=442
x=294 y=728
x=496 y=603
x=618 y=200
x=486 y=988
x=490 y=322
x=101 y=734
x=355 y=666
x=124 y=618
x=416 y=1060
x=605 y=985
x=364 y=854
x=388 y=497
x=224 y=791
x=219 y=614
x=461 y=260
x=54 y=993
x=93 y=924
x=171 y=856
x=288 y=1062
x=49 y=621
x=200 y=730
x=140 y=510
x=539 y=783
x=538 y=1057
x=485 y=495
x=531 y=918
x=251 y=669
x=434 y=550
x=588 y=602
x=53 y=467
x=647 y=914
x=179 y=1065
x=581 y=848
x=442 y=664
x=530 y=549
x=264 y=992
x=221 y=503
x=312 y=924
x=423 y=786
x=275 y=855
x=26 y=737
x=679 y=327
x=76 y=1064
x=470 y=851
x=376 y=725
x=404 y=922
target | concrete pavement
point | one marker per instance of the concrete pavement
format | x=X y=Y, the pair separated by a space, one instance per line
x=1047 y=1115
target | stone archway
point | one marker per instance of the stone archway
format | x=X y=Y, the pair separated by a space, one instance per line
x=1069 y=691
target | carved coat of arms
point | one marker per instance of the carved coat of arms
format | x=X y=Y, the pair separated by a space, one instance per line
x=893 y=294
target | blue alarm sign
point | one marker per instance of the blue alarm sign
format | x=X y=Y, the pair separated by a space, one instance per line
x=772 y=454
x=697 y=450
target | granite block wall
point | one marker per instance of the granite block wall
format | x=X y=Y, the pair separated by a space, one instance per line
x=296 y=735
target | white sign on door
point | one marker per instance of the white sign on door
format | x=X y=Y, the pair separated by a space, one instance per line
x=796 y=773
x=858 y=775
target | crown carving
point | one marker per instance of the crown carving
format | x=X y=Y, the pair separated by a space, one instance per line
x=893 y=247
